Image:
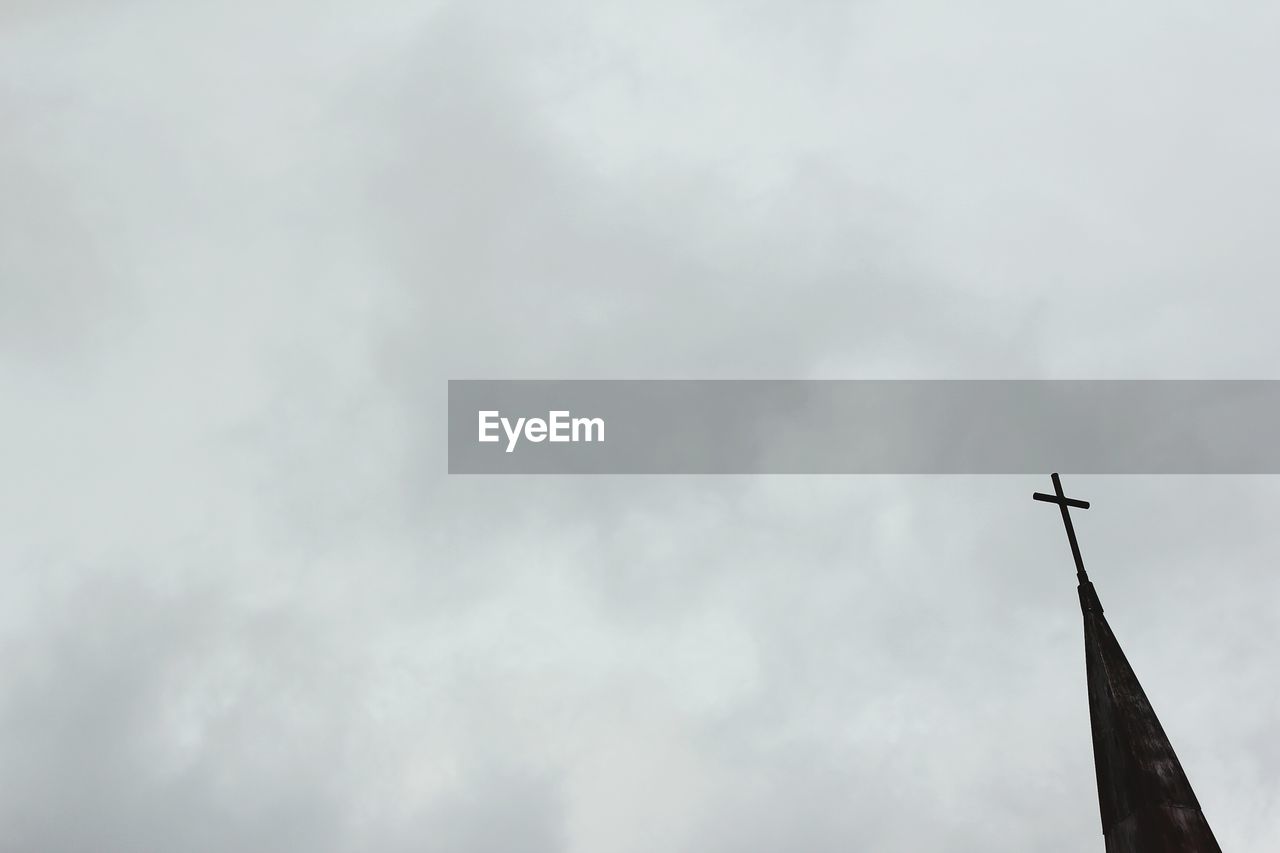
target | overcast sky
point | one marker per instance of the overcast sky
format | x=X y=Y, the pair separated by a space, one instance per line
x=243 y=245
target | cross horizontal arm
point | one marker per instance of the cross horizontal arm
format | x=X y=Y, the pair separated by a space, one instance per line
x=1054 y=499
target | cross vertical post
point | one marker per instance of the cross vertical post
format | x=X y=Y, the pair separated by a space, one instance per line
x=1063 y=502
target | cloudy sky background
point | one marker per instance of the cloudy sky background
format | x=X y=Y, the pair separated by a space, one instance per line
x=243 y=245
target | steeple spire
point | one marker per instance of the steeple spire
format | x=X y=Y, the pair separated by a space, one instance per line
x=1146 y=801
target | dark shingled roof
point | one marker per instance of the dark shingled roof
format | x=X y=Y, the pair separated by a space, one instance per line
x=1146 y=801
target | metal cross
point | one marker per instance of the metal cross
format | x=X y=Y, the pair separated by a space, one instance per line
x=1063 y=502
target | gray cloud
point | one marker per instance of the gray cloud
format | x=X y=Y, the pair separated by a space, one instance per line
x=245 y=608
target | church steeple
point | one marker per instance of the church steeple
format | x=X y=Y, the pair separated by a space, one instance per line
x=1146 y=801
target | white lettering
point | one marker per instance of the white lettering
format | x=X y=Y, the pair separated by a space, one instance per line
x=559 y=426
x=486 y=424
x=587 y=424
x=513 y=435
